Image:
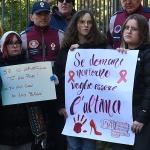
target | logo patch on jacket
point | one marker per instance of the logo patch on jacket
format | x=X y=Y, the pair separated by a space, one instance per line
x=117 y=28
x=33 y=44
x=53 y=46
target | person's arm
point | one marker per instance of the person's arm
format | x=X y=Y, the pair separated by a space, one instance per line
x=122 y=50
x=55 y=79
x=59 y=70
x=144 y=114
x=74 y=46
x=50 y=1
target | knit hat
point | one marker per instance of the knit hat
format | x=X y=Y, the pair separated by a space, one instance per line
x=5 y=36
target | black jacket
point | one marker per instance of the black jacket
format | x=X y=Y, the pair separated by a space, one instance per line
x=141 y=90
x=57 y=21
x=59 y=70
x=14 y=122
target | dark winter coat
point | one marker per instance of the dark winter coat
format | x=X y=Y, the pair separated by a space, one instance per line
x=141 y=89
x=57 y=21
x=14 y=122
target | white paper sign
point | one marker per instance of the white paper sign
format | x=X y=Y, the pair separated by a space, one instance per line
x=99 y=86
x=27 y=83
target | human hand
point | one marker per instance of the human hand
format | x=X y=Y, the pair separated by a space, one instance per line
x=55 y=79
x=49 y=1
x=137 y=127
x=74 y=46
x=63 y=112
x=122 y=50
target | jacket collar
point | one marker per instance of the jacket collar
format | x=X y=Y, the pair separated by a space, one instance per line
x=37 y=28
x=138 y=11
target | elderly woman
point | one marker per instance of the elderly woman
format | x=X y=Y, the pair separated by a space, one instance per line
x=15 y=130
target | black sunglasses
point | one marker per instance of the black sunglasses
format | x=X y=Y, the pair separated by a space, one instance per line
x=67 y=1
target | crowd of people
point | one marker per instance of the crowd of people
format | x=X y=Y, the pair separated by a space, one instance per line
x=49 y=36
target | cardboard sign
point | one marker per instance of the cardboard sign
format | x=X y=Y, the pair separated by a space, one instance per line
x=27 y=83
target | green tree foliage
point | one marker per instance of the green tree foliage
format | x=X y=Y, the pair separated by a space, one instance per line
x=14 y=14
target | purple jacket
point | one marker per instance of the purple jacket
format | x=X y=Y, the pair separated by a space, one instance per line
x=42 y=44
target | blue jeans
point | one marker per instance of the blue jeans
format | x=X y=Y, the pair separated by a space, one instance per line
x=19 y=147
x=77 y=143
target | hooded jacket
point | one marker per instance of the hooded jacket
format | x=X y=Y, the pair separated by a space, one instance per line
x=58 y=22
x=5 y=36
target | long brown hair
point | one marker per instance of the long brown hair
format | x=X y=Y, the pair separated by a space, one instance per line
x=143 y=29
x=95 y=37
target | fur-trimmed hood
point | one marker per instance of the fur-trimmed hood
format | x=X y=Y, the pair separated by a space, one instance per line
x=5 y=36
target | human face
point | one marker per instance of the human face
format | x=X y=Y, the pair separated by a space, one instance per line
x=65 y=8
x=131 y=34
x=84 y=26
x=14 y=47
x=41 y=19
x=130 y=6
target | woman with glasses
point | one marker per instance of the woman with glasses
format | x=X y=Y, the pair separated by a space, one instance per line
x=135 y=36
x=15 y=130
x=83 y=31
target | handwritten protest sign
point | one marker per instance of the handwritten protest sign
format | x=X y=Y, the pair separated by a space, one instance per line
x=99 y=86
x=27 y=83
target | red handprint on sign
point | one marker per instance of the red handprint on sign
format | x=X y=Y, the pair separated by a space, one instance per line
x=78 y=125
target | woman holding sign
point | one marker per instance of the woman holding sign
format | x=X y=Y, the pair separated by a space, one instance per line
x=135 y=36
x=15 y=130
x=82 y=30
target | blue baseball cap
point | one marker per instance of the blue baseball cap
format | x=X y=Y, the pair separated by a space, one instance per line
x=39 y=7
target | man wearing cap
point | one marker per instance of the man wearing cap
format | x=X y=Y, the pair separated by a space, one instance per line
x=117 y=20
x=42 y=43
x=61 y=14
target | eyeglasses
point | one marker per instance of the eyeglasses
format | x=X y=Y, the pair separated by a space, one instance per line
x=130 y=29
x=12 y=44
x=67 y=1
x=83 y=23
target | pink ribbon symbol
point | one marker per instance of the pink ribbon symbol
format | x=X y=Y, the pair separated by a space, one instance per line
x=123 y=74
x=71 y=74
